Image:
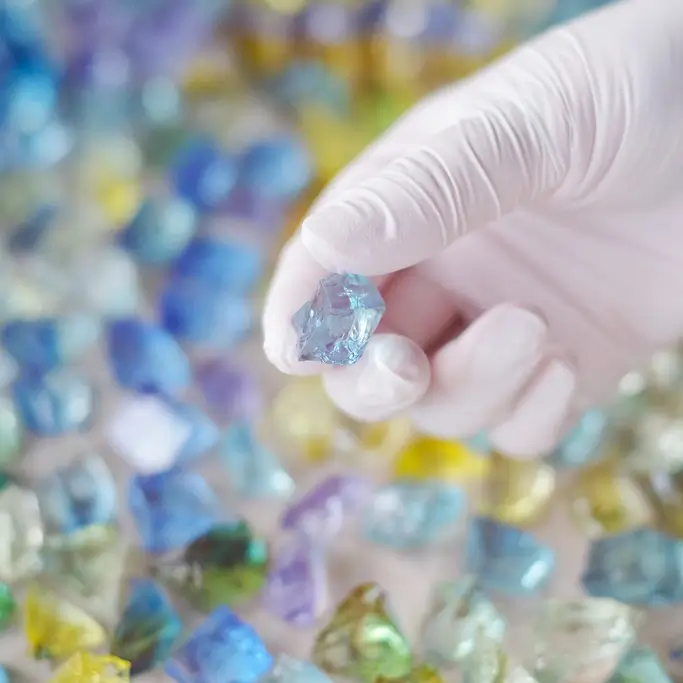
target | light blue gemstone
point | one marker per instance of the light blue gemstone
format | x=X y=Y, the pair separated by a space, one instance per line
x=148 y=629
x=172 y=509
x=639 y=567
x=336 y=325
x=4 y=675
x=290 y=670
x=79 y=495
x=160 y=231
x=223 y=649
x=506 y=559
x=43 y=344
x=195 y=311
x=146 y=358
x=480 y=443
x=204 y=434
x=583 y=444
x=55 y=403
x=640 y=665
x=409 y=514
x=254 y=471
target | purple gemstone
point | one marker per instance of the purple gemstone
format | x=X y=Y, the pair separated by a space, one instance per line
x=231 y=392
x=297 y=584
x=321 y=512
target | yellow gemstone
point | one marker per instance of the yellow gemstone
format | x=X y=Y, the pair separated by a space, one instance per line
x=383 y=439
x=606 y=501
x=517 y=492
x=430 y=458
x=84 y=667
x=56 y=628
x=119 y=199
x=423 y=673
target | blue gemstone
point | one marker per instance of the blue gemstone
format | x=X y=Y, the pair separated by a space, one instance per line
x=78 y=495
x=204 y=175
x=160 y=231
x=583 y=444
x=42 y=344
x=290 y=670
x=4 y=675
x=54 y=403
x=506 y=559
x=480 y=443
x=197 y=312
x=148 y=629
x=254 y=471
x=307 y=82
x=204 y=434
x=409 y=514
x=172 y=509
x=640 y=665
x=223 y=649
x=146 y=358
x=27 y=99
x=639 y=567
x=336 y=325
x=222 y=264
x=276 y=169
x=29 y=234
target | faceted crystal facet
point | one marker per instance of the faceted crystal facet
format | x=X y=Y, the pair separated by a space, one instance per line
x=290 y=670
x=84 y=667
x=21 y=534
x=230 y=392
x=583 y=444
x=489 y=663
x=56 y=628
x=296 y=591
x=361 y=640
x=409 y=514
x=8 y=606
x=506 y=559
x=254 y=471
x=336 y=325
x=148 y=629
x=226 y=565
x=11 y=433
x=640 y=567
x=172 y=508
x=459 y=612
x=429 y=458
x=517 y=492
x=79 y=495
x=640 y=665
x=223 y=648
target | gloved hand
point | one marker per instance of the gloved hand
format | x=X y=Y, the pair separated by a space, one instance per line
x=526 y=230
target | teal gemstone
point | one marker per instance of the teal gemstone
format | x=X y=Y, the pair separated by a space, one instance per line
x=640 y=665
x=11 y=433
x=290 y=670
x=584 y=443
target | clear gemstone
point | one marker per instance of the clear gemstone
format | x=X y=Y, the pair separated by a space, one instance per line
x=290 y=670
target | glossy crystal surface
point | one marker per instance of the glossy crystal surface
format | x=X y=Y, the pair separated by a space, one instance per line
x=84 y=667
x=289 y=670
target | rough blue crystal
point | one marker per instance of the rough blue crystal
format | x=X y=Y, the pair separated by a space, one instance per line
x=336 y=325
x=78 y=495
x=204 y=175
x=582 y=444
x=223 y=649
x=54 y=403
x=254 y=471
x=160 y=231
x=42 y=344
x=640 y=665
x=204 y=434
x=4 y=675
x=290 y=670
x=172 y=509
x=639 y=567
x=408 y=514
x=148 y=629
x=506 y=559
x=223 y=264
x=195 y=311
x=146 y=358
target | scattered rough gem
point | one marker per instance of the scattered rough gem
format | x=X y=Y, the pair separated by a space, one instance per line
x=226 y=565
x=480 y=443
x=638 y=567
x=204 y=433
x=8 y=606
x=290 y=670
x=56 y=628
x=254 y=471
x=11 y=433
x=489 y=663
x=148 y=629
x=665 y=494
x=409 y=514
x=582 y=639
x=657 y=440
x=321 y=512
x=640 y=665
x=172 y=508
x=84 y=667
x=506 y=559
x=5 y=674
x=296 y=591
x=78 y=495
x=21 y=534
x=459 y=612
x=223 y=649
x=517 y=492
x=160 y=231
x=231 y=392
x=145 y=358
x=336 y=325
x=583 y=444
x=52 y=404
x=361 y=640
x=422 y=673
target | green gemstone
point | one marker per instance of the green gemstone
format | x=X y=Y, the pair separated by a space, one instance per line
x=11 y=434
x=8 y=606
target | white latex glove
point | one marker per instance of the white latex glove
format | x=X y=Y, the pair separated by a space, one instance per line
x=526 y=229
